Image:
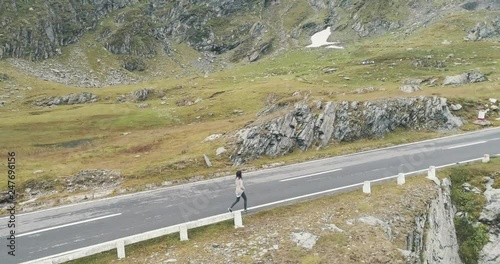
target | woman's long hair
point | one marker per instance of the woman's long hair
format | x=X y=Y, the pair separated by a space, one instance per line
x=238 y=174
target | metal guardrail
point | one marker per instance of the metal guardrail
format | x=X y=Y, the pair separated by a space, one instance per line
x=119 y=244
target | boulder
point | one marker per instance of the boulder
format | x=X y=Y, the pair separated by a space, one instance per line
x=368 y=89
x=304 y=239
x=468 y=77
x=455 y=107
x=220 y=150
x=212 y=137
x=329 y=70
x=140 y=95
x=410 y=88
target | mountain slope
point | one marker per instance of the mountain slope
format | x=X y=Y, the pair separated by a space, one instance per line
x=195 y=36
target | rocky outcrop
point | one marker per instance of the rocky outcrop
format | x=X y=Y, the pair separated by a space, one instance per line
x=434 y=239
x=410 y=88
x=136 y=96
x=89 y=179
x=490 y=216
x=38 y=30
x=75 y=74
x=303 y=128
x=69 y=99
x=481 y=5
x=485 y=30
x=441 y=245
x=461 y=79
x=141 y=95
x=134 y=64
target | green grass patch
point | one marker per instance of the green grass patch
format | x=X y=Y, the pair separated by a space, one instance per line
x=471 y=239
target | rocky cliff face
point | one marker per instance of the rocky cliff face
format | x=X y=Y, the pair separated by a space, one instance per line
x=490 y=216
x=434 y=237
x=45 y=26
x=441 y=245
x=38 y=29
x=305 y=127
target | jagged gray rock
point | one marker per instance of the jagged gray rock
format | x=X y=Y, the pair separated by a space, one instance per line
x=490 y=253
x=57 y=24
x=368 y=89
x=410 y=88
x=341 y=121
x=373 y=221
x=415 y=240
x=491 y=212
x=441 y=245
x=141 y=95
x=220 y=151
x=468 y=77
x=304 y=239
x=433 y=239
x=70 y=99
x=136 y=96
x=455 y=107
x=485 y=30
x=4 y=197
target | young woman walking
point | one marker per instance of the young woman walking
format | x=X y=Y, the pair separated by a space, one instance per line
x=240 y=192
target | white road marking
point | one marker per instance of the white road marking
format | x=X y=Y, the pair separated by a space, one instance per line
x=466 y=145
x=309 y=175
x=358 y=184
x=305 y=196
x=69 y=224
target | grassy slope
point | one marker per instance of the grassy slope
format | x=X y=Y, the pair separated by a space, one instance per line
x=168 y=137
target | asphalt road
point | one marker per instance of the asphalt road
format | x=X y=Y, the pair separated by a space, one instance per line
x=52 y=231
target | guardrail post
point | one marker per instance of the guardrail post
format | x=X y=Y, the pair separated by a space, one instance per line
x=431 y=172
x=401 y=179
x=238 y=220
x=183 y=230
x=486 y=158
x=431 y=175
x=366 y=187
x=120 y=248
